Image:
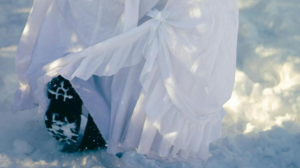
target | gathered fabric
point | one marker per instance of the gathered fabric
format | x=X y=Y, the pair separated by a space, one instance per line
x=153 y=74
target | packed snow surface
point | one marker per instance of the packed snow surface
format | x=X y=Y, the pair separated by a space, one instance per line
x=261 y=128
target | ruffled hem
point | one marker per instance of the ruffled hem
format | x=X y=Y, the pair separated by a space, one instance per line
x=191 y=141
x=166 y=132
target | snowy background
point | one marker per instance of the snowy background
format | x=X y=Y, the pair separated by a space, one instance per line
x=262 y=125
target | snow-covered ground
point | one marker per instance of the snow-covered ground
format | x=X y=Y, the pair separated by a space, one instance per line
x=262 y=125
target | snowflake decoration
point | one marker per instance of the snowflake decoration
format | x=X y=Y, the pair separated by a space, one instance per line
x=64 y=130
x=56 y=93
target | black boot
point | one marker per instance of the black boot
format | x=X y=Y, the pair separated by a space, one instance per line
x=68 y=120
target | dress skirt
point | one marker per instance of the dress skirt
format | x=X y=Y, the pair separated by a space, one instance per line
x=153 y=74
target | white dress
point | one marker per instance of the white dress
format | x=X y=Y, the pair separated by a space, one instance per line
x=154 y=74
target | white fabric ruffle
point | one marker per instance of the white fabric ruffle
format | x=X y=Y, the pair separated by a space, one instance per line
x=186 y=53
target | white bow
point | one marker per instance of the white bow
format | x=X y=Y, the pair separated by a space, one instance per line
x=158 y=17
x=153 y=43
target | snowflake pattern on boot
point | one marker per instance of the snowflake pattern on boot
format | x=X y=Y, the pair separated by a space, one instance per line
x=63 y=131
x=62 y=118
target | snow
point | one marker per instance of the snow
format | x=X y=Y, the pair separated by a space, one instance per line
x=261 y=128
x=22 y=147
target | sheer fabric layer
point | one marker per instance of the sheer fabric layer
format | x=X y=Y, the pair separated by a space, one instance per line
x=161 y=84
